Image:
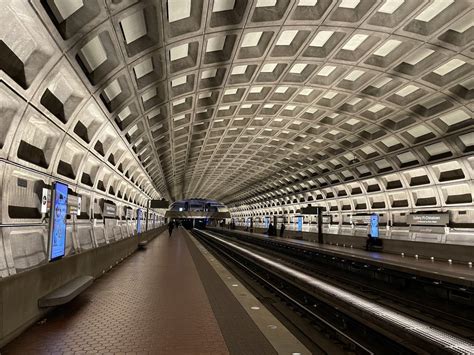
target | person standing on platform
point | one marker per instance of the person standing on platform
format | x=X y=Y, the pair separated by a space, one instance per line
x=271 y=229
x=282 y=230
x=170 y=227
x=368 y=242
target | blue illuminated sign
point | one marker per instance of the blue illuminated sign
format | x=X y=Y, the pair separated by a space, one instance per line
x=374 y=225
x=300 y=223
x=266 y=221
x=139 y=221
x=57 y=238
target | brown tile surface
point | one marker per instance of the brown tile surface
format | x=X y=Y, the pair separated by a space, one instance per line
x=153 y=302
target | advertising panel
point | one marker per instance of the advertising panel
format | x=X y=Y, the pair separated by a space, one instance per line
x=45 y=200
x=57 y=228
x=327 y=219
x=360 y=219
x=374 y=225
x=310 y=210
x=74 y=205
x=159 y=204
x=139 y=220
x=300 y=224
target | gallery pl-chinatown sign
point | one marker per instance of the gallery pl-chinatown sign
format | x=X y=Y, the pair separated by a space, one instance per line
x=110 y=210
x=431 y=219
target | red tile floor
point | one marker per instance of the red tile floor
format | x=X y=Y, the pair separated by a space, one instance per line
x=153 y=302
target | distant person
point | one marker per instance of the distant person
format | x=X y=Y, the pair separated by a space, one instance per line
x=170 y=227
x=176 y=223
x=368 y=242
x=282 y=230
x=271 y=229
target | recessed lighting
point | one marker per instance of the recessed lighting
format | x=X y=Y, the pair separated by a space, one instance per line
x=239 y=69
x=179 y=52
x=215 y=44
x=178 y=10
x=269 y=68
x=433 y=10
x=449 y=67
x=266 y=3
x=251 y=39
x=390 y=6
x=286 y=37
x=223 y=5
x=387 y=48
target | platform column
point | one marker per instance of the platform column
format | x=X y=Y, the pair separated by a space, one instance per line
x=320 y=226
x=147 y=211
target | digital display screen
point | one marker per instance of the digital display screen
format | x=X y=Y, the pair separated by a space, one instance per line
x=374 y=225
x=58 y=221
x=300 y=223
x=139 y=220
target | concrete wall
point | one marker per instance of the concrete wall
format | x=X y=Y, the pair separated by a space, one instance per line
x=19 y=293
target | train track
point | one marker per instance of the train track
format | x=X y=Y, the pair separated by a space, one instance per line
x=463 y=321
x=323 y=335
x=358 y=323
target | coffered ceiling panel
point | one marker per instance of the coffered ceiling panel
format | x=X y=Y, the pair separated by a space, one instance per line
x=224 y=99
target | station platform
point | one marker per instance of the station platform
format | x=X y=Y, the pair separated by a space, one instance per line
x=172 y=297
x=458 y=274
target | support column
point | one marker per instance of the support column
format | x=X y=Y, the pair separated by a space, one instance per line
x=320 y=226
x=147 y=212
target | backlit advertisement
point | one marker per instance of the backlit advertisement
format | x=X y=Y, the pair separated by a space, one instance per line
x=139 y=220
x=374 y=225
x=300 y=223
x=57 y=237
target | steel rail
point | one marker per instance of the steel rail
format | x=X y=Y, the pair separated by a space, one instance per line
x=299 y=304
x=440 y=338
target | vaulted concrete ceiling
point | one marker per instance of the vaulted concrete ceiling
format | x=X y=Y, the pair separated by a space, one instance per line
x=225 y=99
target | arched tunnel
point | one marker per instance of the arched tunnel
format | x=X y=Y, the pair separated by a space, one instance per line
x=357 y=110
